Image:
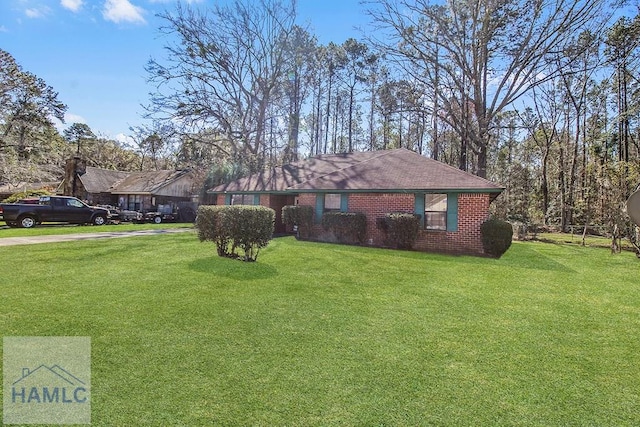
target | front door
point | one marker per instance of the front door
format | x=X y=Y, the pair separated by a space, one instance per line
x=277 y=203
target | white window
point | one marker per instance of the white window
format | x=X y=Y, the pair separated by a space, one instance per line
x=242 y=199
x=435 y=211
x=332 y=202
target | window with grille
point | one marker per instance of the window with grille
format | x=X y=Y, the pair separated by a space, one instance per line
x=435 y=211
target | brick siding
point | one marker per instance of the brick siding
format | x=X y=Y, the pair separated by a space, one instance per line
x=473 y=210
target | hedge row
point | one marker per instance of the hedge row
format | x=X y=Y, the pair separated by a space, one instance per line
x=249 y=228
x=401 y=229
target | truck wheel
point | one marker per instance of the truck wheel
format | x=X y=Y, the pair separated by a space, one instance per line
x=27 y=221
x=99 y=220
x=157 y=219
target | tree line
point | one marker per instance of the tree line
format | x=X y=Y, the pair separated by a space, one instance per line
x=539 y=96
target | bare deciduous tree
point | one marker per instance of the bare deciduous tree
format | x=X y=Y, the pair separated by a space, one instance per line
x=478 y=57
x=223 y=71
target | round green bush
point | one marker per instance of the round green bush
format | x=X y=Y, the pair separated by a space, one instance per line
x=496 y=237
x=249 y=228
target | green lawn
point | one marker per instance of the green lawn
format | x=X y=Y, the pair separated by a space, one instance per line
x=576 y=239
x=53 y=229
x=320 y=334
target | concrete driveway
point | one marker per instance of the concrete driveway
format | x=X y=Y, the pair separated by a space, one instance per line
x=31 y=240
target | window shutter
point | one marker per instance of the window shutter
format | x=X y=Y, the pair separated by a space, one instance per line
x=319 y=207
x=227 y=199
x=418 y=208
x=344 y=202
x=452 y=212
x=256 y=199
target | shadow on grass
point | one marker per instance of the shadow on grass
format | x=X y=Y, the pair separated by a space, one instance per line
x=518 y=256
x=109 y=249
x=233 y=269
x=526 y=256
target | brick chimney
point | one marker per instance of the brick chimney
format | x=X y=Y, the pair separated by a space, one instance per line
x=74 y=168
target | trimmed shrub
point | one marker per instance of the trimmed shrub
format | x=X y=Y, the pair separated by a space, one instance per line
x=300 y=216
x=209 y=226
x=252 y=228
x=401 y=229
x=249 y=228
x=496 y=237
x=347 y=227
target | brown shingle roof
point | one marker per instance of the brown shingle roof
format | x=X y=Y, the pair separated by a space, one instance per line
x=282 y=178
x=389 y=170
x=146 y=182
x=96 y=180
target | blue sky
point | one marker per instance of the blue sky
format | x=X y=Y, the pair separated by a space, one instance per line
x=93 y=52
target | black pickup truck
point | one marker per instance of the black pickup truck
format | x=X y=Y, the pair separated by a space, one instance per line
x=52 y=209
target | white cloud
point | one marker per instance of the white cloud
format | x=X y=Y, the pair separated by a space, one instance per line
x=123 y=139
x=69 y=119
x=172 y=1
x=74 y=118
x=33 y=12
x=72 y=5
x=122 y=11
x=3 y=29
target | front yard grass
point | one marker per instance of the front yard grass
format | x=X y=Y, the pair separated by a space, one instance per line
x=54 y=229
x=320 y=334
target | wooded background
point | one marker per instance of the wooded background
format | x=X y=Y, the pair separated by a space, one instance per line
x=539 y=96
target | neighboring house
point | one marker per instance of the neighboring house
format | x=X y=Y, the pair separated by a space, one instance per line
x=157 y=190
x=164 y=191
x=94 y=185
x=452 y=204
